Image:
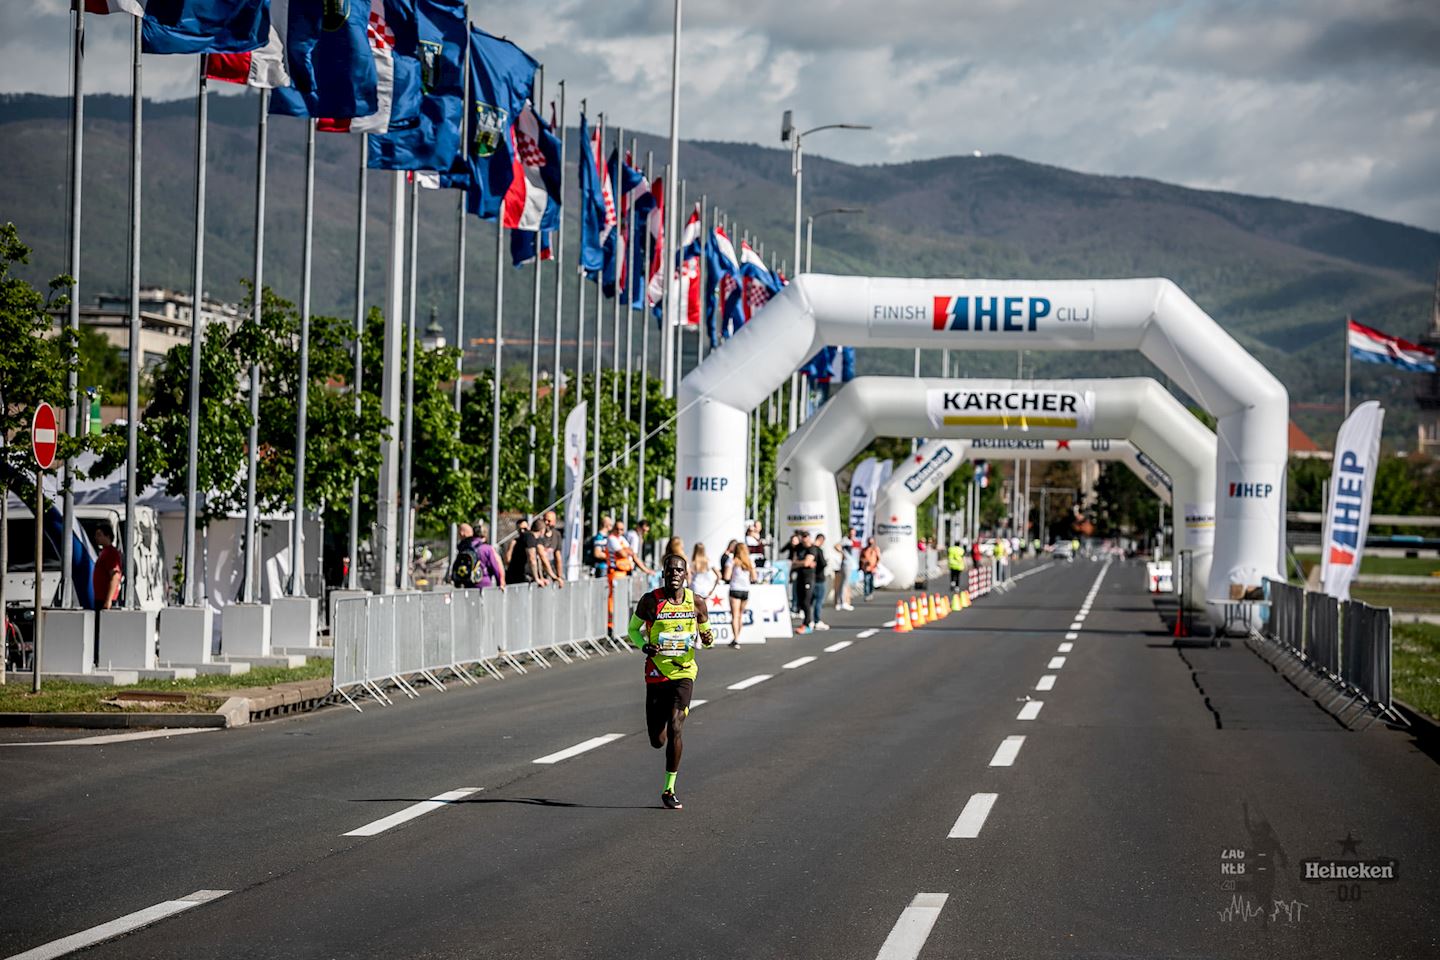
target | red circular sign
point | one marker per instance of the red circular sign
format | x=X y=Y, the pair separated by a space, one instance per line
x=44 y=435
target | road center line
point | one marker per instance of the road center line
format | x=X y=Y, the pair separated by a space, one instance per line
x=1065 y=648
x=749 y=682
x=1008 y=750
x=1031 y=710
x=835 y=647
x=972 y=818
x=1047 y=682
x=866 y=634
x=411 y=812
x=580 y=748
x=799 y=663
x=1072 y=635
x=1055 y=663
x=122 y=925
x=911 y=931
x=1076 y=625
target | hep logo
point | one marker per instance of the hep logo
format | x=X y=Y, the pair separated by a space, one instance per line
x=1251 y=491
x=707 y=484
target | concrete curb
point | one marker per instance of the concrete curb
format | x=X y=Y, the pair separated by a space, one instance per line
x=1422 y=725
x=241 y=707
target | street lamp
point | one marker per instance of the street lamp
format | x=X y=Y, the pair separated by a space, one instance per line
x=810 y=227
x=788 y=134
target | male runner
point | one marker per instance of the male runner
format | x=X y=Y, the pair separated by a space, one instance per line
x=665 y=626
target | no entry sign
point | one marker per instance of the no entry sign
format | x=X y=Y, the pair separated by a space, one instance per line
x=44 y=438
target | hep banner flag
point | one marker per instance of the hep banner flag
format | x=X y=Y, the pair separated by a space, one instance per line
x=862 y=497
x=203 y=26
x=1371 y=346
x=331 y=65
x=1020 y=409
x=427 y=104
x=574 y=482
x=1352 y=487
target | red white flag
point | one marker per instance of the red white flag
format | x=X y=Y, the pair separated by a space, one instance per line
x=526 y=200
x=136 y=8
x=382 y=46
x=655 y=283
x=263 y=69
x=688 y=274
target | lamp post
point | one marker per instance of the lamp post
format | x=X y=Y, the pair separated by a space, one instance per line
x=810 y=227
x=788 y=134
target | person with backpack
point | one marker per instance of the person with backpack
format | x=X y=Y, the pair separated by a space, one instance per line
x=476 y=565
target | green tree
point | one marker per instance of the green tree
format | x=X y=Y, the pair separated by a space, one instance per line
x=102 y=365
x=1123 y=503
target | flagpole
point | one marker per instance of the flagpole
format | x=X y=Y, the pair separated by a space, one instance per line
x=1347 y=366
x=630 y=282
x=700 y=279
x=302 y=383
x=557 y=375
x=585 y=152
x=72 y=379
x=496 y=375
x=132 y=406
x=385 y=515
x=645 y=314
x=621 y=262
x=671 y=381
x=252 y=455
x=356 y=385
x=197 y=341
x=595 y=384
x=673 y=273
x=407 y=429
x=538 y=95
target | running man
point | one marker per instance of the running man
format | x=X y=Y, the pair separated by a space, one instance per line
x=665 y=626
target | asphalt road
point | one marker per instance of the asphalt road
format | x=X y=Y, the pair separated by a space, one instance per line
x=870 y=802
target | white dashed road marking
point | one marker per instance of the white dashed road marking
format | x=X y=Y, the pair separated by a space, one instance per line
x=834 y=647
x=1047 y=682
x=1008 y=750
x=1072 y=636
x=123 y=925
x=413 y=811
x=866 y=634
x=1065 y=648
x=972 y=818
x=798 y=663
x=1031 y=710
x=910 y=932
x=580 y=748
x=1055 y=663
x=749 y=682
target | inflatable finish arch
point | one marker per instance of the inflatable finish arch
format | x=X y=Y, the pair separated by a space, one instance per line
x=1136 y=409
x=897 y=501
x=1152 y=316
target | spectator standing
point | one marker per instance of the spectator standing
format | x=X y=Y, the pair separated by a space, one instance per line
x=793 y=551
x=477 y=564
x=547 y=548
x=105 y=580
x=754 y=543
x=703 y=580
x=599 y=547
x=822 y=563
x=523 y=560
x=742 y=574
x=727 y=558
x=636 y=538
x=848 y=554
x=869 y=562
x=804 y=571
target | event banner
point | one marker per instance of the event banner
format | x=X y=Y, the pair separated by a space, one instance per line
x=1019 y=408
x=1352 y=486
x=870 y=475
x=1200 y=523
x=767 y=614
x=988 y=311
x=574 y=475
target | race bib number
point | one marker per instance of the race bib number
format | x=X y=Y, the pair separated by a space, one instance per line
x=674 y=644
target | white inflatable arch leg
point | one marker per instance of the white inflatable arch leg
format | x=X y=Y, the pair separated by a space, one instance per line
x=1151 y=316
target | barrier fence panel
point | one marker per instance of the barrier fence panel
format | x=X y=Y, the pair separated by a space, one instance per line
x=351 y=619
x=1322 y=641
x=1367 y=651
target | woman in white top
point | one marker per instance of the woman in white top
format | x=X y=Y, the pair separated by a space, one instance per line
x=847 y=558
x=742 y=574
x=703 y=580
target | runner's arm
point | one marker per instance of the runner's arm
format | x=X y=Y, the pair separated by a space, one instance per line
x=702 y=619
x=640 y=620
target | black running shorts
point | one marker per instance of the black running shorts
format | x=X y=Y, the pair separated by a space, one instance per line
x=663 y=700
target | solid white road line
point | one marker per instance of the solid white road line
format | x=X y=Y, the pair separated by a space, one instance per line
x=1072 y=636
x=750 y=681
x=413 y=811
x=103 y=739
x=911 y=931
x=115 y=928
x=834 y=647
x=799 y=663
x=1008 y=750
x=866 y=634
x=972 y=818
x=1065 y=648
x=1055 y=663
x=1047 y=682
x=580 y=748
x=1031 y=710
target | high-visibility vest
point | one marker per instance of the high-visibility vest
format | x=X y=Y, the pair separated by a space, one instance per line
x=956 y=555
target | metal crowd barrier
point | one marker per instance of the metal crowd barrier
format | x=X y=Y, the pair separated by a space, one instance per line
x=402 y=641
x=1345 y=646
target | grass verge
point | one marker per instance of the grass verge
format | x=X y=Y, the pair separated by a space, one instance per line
x=1415 y=666
x=203 y=694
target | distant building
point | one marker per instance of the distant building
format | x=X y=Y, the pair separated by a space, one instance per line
x=165 y=318
x=1427 y=395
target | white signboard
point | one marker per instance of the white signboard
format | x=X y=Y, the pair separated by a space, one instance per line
x=1200 y=523
x=767 y=615
x=1019 y=409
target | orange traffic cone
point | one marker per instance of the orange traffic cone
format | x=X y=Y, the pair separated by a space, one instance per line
x=902 y=618
x=944 y=606
x=955 y=603
x=915 y=617
x=964 y=599
x=930 y=615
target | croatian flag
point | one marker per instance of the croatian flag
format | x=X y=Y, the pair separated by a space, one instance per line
x=381 y=36
x=688 y=272
x=136 y=8
x=758 y=283
x=655 y=224
x=332 y=68
x=1372 y=346
x=720 y=282
x=532 y=201
x=264 y=68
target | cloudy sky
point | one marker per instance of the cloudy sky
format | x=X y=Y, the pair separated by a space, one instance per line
x=1327 y=101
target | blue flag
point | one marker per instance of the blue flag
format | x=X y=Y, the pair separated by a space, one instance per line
x=428 y=109
x=722 y=286
x=642 y=200
x=597 y=204
x=205 y=26
x=502 y=77
x=332 y=68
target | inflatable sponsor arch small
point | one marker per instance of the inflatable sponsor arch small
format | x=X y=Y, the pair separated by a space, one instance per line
x=1151 y=316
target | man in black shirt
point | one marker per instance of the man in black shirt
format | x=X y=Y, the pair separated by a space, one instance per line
x=818 y=592
x=523 y=563
x=805 y=580
x=792 y=552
